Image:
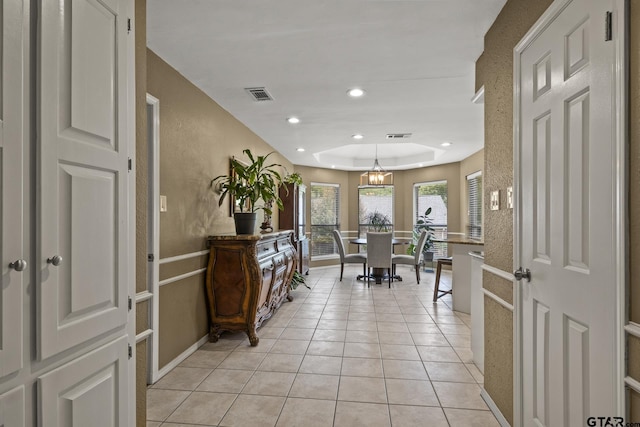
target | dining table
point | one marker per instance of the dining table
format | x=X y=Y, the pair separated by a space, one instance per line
x=378 y=273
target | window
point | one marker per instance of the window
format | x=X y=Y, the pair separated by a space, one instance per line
x=325 y=211
x=474 y=194
x=375 y=209
x=433 y=195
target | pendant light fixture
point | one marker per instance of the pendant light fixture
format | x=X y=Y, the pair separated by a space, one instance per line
x=376 y=176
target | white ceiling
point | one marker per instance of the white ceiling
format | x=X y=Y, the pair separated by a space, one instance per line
x=414 y=58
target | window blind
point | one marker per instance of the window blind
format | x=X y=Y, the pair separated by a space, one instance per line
x=474 y=194
x=325 y=214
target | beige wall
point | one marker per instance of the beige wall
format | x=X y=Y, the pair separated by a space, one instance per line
x=197 y=138
x=471 y=164
x=141 y=207
x=494 y=71
x=454 y=173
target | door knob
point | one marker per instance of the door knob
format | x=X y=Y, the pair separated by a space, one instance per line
x=56 y=260
x=18 y=265
x=521 y=273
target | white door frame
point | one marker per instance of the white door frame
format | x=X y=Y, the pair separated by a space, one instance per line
x=619 y=34
x=153 y=231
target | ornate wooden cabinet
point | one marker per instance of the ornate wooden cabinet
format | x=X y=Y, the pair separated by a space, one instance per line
x=293 y=216
x=248 y=278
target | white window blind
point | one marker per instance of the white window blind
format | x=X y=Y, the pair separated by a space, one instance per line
x=433 y=195
x=325 y=214
x=474 y=194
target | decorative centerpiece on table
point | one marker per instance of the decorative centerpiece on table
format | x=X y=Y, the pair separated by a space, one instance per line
x=247 y=184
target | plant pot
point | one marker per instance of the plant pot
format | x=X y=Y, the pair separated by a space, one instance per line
x=245 y=222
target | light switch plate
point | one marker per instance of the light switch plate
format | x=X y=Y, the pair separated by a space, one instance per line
x=495 y=200
x=509 y=197
x=163 y=203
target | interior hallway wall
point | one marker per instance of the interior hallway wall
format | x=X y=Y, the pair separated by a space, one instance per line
x=197 y=139
x=142 y=308
x=494 y=71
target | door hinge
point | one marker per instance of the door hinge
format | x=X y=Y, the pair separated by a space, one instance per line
x=130 y=164
x=151 y=258
x=128 y=25
x=130 y=304
x=608 y=27
x=130 y=351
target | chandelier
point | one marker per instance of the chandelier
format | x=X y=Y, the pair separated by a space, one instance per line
x=377 y=175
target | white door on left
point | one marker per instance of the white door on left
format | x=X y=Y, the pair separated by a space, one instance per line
x=14 y=260
x=83 y=165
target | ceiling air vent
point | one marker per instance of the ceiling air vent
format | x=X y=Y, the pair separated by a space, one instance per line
x=259 y=94
x=398 y=135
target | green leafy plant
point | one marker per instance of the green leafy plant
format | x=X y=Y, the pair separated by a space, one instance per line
x=423 y=223
x=293 y=178
x=248 y=183
x=297 y=280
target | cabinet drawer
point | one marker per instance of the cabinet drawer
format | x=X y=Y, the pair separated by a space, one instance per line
x=265 y=249
x=279 y=261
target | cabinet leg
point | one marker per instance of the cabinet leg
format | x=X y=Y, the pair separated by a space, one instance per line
x=214 y=334
x=253 y=338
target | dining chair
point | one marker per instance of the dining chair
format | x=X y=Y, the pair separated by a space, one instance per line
x=379 y=252
x=412 y=259
x=345 y=258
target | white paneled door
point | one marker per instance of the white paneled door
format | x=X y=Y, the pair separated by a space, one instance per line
x=83 y=167
x=567 y=168
x=14 y=260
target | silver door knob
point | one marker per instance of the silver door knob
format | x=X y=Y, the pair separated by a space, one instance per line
x=521 y=273
x=56 y=260
x=18 y=265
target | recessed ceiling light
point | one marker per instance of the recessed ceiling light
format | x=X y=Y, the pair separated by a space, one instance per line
x=445 y=144
x=300 y=150
x=355 y=92
x=333 y=166
x=293 y=120
x=357 y=136
x=420 y=165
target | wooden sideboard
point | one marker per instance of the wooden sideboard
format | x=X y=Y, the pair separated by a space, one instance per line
x=248 y=278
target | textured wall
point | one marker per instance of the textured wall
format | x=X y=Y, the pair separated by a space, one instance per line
x=140 y=27
x=197 y=138
x=494 y=71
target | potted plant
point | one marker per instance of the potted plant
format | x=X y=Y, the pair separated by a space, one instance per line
x=423 y=224
x=292 y=178
x=249 y=183
x=298 y=279
x=378 y=221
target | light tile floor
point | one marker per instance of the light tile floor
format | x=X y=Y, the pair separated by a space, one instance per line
x=341 y=354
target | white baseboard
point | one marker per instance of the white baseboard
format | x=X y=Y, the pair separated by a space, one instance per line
x=182 y=356
x=494 y=408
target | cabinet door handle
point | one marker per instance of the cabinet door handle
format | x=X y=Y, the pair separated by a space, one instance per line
x=56 y=260
x=18 y=265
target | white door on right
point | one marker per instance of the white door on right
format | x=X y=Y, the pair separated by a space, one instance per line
x=567 y=215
